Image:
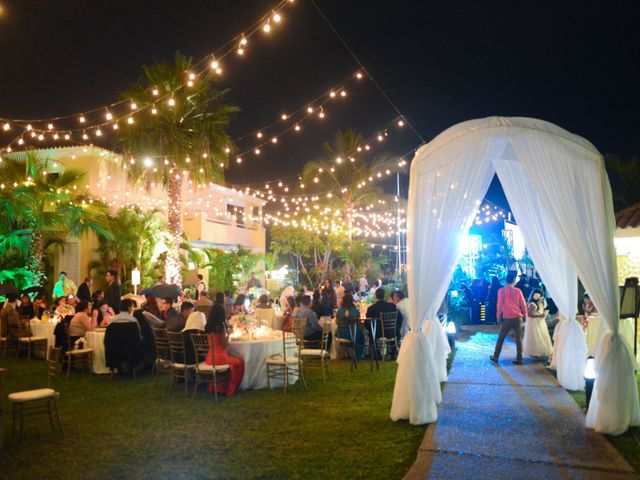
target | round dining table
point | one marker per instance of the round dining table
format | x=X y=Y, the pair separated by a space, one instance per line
x=255 y=353
x=96 y=341
x=40 y=329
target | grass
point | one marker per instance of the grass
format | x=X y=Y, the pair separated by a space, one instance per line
x=129 y=429
x=628 y=444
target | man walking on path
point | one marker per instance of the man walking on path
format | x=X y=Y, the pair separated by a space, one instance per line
x=512 y=309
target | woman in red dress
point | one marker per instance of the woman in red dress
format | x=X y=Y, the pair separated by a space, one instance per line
x=217 y=326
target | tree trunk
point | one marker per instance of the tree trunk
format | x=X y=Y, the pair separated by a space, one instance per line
x=173 y=268
x=34 y=263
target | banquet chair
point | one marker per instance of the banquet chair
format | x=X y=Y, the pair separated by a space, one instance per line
x=31 y=343
x=162 y=362
x=298 y=325
x=388 y=333
x=349 y=343
x=35 y=402
x=319 y=356
x=179 y=369
x=79 y=357
x=204 y=372
x=54 y=364
x=289 y=361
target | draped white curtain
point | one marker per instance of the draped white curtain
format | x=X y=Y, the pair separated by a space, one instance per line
x=449 y=177
x=551 y=261
x=443 y=196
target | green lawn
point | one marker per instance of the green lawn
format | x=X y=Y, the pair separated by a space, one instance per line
x=129 y=429
x=628 y=444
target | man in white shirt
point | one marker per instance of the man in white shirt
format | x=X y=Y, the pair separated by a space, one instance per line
x=64 y=287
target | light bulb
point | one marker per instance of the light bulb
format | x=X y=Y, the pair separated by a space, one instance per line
x=297 y=128
x=50 y=126
x=241 y=51
x=85 y=136
x=219 y=71
x=243 y=41
x=189 y=83
x=115 y=126
x=82 y=120
x=343 y=93
x=257 y=151
x=155 y=92
x=29 y=128
x=6 y=127
x=98 y=133
x=321 y=114
x=20 y=141
x=133 y=106
x=154 y=110
x=332 y=94
x=309 y=109
x=108 y=116
x=284 y=116
x=380 y=138
x=192 y=76
x=277 y=18
x=66 y=137
x=227 y=150
x=214 y=65
x=266 y=28
x=274 y=140
x=130 y=120
x=259 y=134
x=358 y=75
x=238 y=160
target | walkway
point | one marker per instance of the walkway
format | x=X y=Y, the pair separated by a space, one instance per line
x=508 y=421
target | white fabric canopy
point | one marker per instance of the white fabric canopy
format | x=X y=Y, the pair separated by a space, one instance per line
x=556 y=183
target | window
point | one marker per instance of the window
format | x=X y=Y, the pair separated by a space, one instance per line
x=238 y=212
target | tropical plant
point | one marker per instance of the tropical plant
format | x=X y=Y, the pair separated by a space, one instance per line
x=139 y=238
x=229 y=268
x=186 y=132
x=50 y=206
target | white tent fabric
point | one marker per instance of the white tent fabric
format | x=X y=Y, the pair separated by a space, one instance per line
x=449 y=177
x=551 y=261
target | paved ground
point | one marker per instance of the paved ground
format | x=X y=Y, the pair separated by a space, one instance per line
x=512 y=422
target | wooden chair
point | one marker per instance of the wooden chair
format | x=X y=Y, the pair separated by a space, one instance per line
x=281 y=365
x=31 y=342
x=162 y=362
x=179 y=369
x=388 y=335
x=298 y=324
x=204 y=372
x=35 y=402
x=319 y=356
x=82 y=357
x=54 y=364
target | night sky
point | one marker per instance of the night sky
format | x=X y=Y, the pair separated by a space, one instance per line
x=441 y=62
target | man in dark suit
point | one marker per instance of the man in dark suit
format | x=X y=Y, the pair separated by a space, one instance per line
x=113 y=295
x=84 y=290
x=382 y=306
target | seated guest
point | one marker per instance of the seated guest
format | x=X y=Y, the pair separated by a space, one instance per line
x=127 y=306
x=123 y=345
x=316 y=304
x=194 y=324
x=217 y=314
x=382 y=306
x=101 y=312
x=167 y=311
x=263 y=302
x=312 y=330
x=10 y=318
x=288 y=314
x=152 y=313
x=175 y=323
x=62 y=308
x=81 y=322
x=218 y=355
x=238 y=306
x=203 y=304
x=298 y=299
x=39 y=305
x=402 y=304
x=344 y=316
x=26 y=307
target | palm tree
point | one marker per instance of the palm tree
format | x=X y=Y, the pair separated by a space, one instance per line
x=343 y=171
x=186 y=132
x=49 y=206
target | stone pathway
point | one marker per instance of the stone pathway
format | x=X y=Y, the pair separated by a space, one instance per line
x=512 y=422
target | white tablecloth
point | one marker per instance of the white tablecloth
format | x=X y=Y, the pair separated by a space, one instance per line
x=255 y=354
x=40 y=329
x=333 y=348
x=96 y=341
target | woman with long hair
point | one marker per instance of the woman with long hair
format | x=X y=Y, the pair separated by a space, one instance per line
x=345 y=317
x=537 y=342
x=218 y=355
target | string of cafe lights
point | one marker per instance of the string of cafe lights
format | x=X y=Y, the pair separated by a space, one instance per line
x=45 y=129
x=489 y=212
